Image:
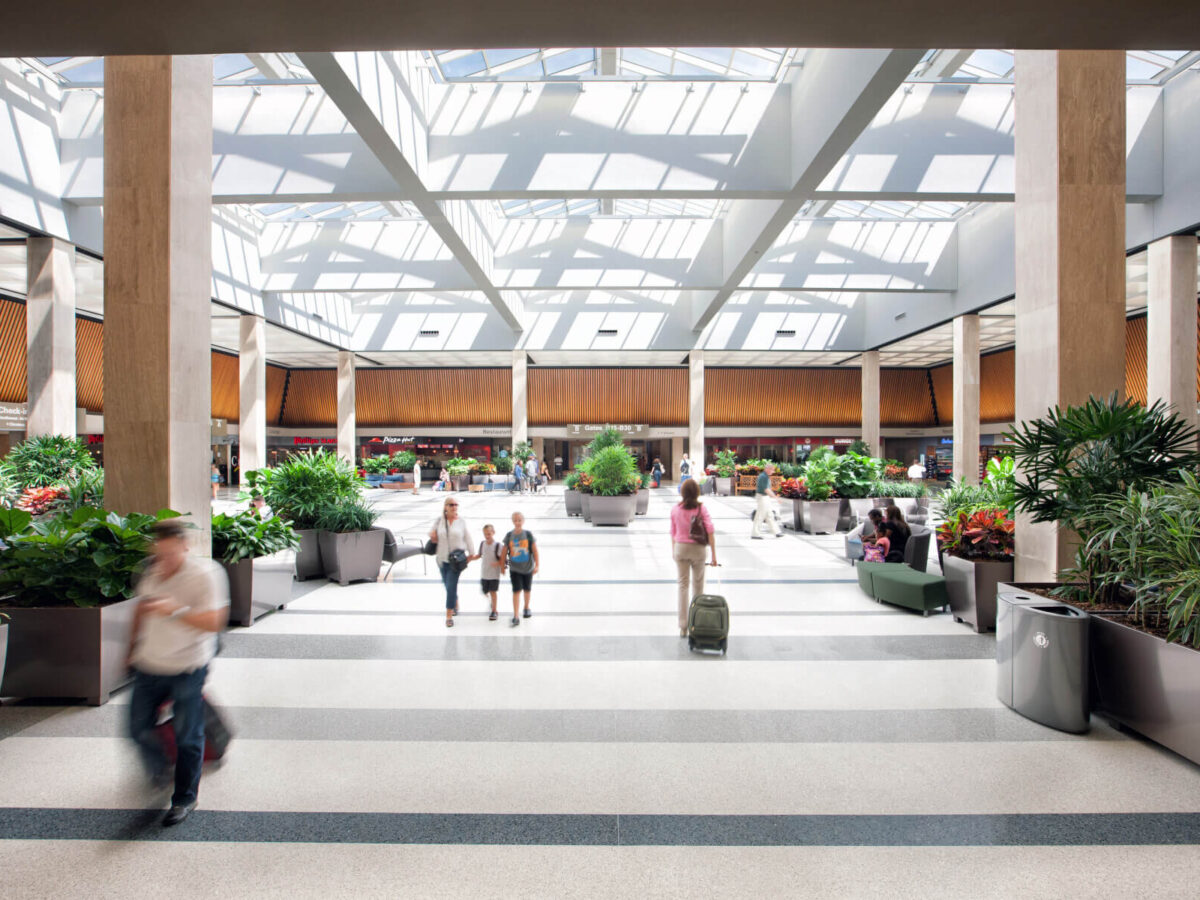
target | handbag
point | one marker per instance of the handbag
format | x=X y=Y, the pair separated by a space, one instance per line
x=457 y=560
x=430 y=548
x=697 y=531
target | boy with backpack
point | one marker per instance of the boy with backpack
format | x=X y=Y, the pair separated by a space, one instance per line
x=520 y=555
x=489 y=576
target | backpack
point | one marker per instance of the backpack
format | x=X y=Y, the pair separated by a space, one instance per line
x=696 y=531
x=872 y=553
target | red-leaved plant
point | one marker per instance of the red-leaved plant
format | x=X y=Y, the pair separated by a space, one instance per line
x=979 y=534
x=40 y=500
x=793 y=488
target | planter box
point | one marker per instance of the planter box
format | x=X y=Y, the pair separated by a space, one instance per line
x=355 y=556
x=972 y=586
x=259 y=586
x=308 y=557
x=3 y=649
x=846 y=516
x=613 y=510
x=1147 y=685
x=797 y=522
x=585 y=504
x=67 y=651
x=642 y=506
x=574 y=502
x=460 y=482
x=860 y=508
x=820 y=516
x=498 y=479
x=479 y=479
x=725 y=485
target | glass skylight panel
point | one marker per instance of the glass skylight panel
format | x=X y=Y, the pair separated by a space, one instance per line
x=549 y=209
x=528 y=64
x=1141 y=66
x=365 y=210
x=895 y=209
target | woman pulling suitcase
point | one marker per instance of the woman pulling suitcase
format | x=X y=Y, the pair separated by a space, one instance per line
x=691 y=532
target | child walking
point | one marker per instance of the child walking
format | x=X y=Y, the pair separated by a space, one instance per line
x=489 y=576
x=521 y=557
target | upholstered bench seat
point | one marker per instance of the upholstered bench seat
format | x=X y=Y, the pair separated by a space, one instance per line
x=899 y=585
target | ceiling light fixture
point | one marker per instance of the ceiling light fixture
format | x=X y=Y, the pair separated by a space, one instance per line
x=607 y=332
x=433 y=332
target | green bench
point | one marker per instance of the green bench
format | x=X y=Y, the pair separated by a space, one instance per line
x=899 y=585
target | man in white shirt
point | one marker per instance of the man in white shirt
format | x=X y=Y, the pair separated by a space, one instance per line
x=183 y=603
x=916 y=472
x=531 y=473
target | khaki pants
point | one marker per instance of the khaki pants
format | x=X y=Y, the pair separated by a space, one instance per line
x=689 y=560
x=763 y=513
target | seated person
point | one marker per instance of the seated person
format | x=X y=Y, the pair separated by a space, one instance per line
x=897 y=532
x=857 y=538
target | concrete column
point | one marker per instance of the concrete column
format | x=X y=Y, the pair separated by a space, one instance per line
x=870 y=402
x=539 y=449
x=1070 y=249
x=520 y=398
x=50 y=336
x=252 y=394
x=966 y=399
x=672 y=466
x=346 y=419
x=1171 y=325
x=696 y=407
x=157 y=285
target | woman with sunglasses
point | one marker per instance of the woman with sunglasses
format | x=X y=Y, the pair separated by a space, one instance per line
x=451 y=534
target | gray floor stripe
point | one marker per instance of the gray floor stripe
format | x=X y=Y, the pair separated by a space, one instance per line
x=1015 y=830
x=882 y=611
x=765 y=582
x=539 y=648
x=597 y=726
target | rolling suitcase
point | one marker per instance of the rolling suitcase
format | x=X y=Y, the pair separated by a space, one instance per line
x=708 y=623
x=216 y=734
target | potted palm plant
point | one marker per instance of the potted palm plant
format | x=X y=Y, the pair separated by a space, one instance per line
x=66 y=588
x=612 y=472
x=299 y=489
x=259 y=556
x=351 y=547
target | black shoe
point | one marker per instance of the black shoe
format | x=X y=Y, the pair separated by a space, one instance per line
x=527 y=613
x=515 y=622
x=492 y=616
x=177 y=813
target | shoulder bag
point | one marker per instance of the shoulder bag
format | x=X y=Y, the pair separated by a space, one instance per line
x=430 y=547
x=696 y=531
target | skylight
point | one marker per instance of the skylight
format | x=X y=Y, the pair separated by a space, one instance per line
x=620 y=208
x=637 y=63
x=1141 y=66
x=366 y=210
x=228 y=68
x=886 y=209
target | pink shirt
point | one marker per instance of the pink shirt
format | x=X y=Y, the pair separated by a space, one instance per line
x=681 y=523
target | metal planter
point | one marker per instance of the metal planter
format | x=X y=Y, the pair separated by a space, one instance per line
x=861 y=506
x=3 y=649
x=643 y=503
x=971 y=586
x=574 y=502
x=460 y=482
x=585 y=504
x=68 y=651
x=259 y=586
x=308 y=557
x=846 y=517
x=355 y=556
x=820 y=516
x=618 y=510
x=724 y=485
x=1147 y=684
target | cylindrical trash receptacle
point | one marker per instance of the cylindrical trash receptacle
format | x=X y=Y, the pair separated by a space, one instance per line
x=1042 y=660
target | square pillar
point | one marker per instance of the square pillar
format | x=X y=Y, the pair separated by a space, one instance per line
x=1070 y=249
x=672 y=466
x=252 y=394
x=157 y=285
x=696 y=407
x=870 y=402
x=520 y=398
x=1171 y=325
x=346 y=419
x=966 y=399
x=50 y=336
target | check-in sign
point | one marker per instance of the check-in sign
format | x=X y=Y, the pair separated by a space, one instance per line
x=13 y=416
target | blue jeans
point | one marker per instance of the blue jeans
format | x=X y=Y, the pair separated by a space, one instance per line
x=450 y=580
x=185 y=691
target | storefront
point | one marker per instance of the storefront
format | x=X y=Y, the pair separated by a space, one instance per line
x=431 y=450
x=778 y=448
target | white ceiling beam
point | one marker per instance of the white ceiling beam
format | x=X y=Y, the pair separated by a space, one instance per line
x=839 y=92
x=386 y=143
x=269 y=64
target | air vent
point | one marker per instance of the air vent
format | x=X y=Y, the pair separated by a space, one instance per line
x=607 y=332
x=785 y=332
x=433 y=332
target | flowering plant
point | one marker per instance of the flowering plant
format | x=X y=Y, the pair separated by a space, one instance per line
x=40 y=500
x=793 y=488
x=985 y=533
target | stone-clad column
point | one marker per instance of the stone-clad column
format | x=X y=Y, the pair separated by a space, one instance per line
x=1171 y=324
x=870 y=402
x=1070 y=248
x=346 y=418
x=966 y=399
x=696 y=448
x=50 y=336
x=157 y=285
x=520 y=398
x=252 y=394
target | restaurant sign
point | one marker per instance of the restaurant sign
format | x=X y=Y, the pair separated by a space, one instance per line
x=590 y=431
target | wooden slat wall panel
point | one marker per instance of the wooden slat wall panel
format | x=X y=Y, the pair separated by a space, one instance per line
x=311 y=399
x=13 y=386
x=563 y=396
x=276 y=376
x=904 y=400
x=89 y=365
x=402 y=397
x=997 y=387
x=782 y=397
x=226 y=388
x=1135 y=359
x=943 y=393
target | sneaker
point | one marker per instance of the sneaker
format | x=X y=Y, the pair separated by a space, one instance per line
x=527 y=613
x=515 y=622
x=492 y=616
x=177 y=813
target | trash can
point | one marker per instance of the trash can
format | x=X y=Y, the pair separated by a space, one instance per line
x=1042 y=658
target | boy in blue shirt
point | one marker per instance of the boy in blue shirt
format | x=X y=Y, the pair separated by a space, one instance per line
x=520 y=558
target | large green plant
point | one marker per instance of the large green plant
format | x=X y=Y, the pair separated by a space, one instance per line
x=459 y=466
x=899 y=489
x=1073 y=455
x=377 y=465
x=87 y=558
x=404 y=461
x=522 y=450
x=605 y=438
x=46 y=460
x=856 y=473
x=726 y=464
x=301 y=486
x=504 y=465
x=612 y=471
x=345 y=518
x=8 y=488
x=571 y=481
x=246 y=535
x=820 y=474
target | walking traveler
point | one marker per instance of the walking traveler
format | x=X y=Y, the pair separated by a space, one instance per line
x=764 y=510
x=685 y=470
x=416 y=476
x=453 y=553
x=215 y=477
x=518 y=484
x=545 y=477
x=656 y=472
x=558 y=467
x=916 y=472
x=691 y=532
x=183 y=603
x=489 y=576
x=531 y=473
x=520 y=558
